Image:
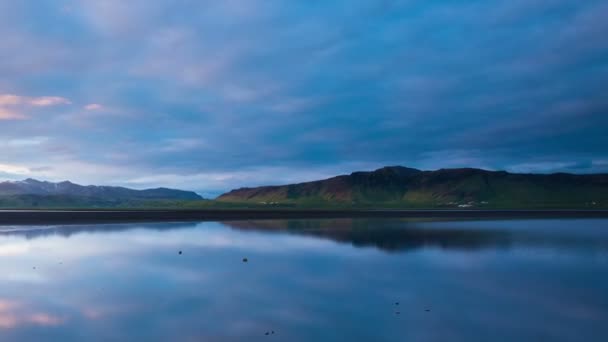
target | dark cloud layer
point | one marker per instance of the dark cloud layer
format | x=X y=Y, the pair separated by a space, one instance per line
x=211 y=95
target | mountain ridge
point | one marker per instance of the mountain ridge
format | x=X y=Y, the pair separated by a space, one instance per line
x=462 y=187
x=33 y=187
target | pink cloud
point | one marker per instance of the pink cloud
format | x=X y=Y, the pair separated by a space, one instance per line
x=9 y=100
x=11 y=106
x=93 y=106
x=47 y=101
x=42 y=101
x=7 y=114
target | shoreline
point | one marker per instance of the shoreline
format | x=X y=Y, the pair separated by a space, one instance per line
x=66 y=217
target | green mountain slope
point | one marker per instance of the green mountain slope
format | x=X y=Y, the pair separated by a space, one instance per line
x=405 y=187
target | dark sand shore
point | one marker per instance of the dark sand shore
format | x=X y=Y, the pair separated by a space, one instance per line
x=53 y=217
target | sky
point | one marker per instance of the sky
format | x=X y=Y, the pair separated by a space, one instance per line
x=214 y=95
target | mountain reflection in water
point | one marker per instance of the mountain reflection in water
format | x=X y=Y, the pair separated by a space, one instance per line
x=307 y=280
x=390 y=235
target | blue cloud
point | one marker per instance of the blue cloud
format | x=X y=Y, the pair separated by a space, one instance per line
x=210 y=95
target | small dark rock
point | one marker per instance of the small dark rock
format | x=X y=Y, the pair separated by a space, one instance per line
x=272 y=332
x=397 y=303
x=398 y=312
x=245 y=260
x=267 y=333
x=180 y=253
x=427 y=310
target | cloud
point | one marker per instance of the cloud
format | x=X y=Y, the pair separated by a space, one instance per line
x=47 y=101
x=43 y=101
x=14 y=169
x=182 y=144
x=299 y=89
x=41 y=169
x=10 y=100
x=93 y=106
x=33 y=141
x=12 y=106
x=7 y=114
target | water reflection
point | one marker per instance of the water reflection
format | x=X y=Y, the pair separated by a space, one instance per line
x=386 y=235
x=407 y=234
x=321 y=280
x=390 y=235
x=14 y=314
x=32 y=232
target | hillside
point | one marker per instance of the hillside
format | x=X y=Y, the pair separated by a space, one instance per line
x=398 y=186
x=34 y=193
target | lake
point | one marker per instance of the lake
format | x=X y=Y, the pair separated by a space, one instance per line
x=307 y=280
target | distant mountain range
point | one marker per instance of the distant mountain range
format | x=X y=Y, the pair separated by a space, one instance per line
x=388 y=187
x=33 y=193
x=406 y=187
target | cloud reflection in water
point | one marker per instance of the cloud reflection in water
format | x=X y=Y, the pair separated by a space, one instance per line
x=306 y=279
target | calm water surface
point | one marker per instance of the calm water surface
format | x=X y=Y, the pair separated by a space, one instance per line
x=307 y=280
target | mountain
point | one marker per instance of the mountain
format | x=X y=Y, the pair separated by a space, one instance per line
x=34 y=192
x=398 y=186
